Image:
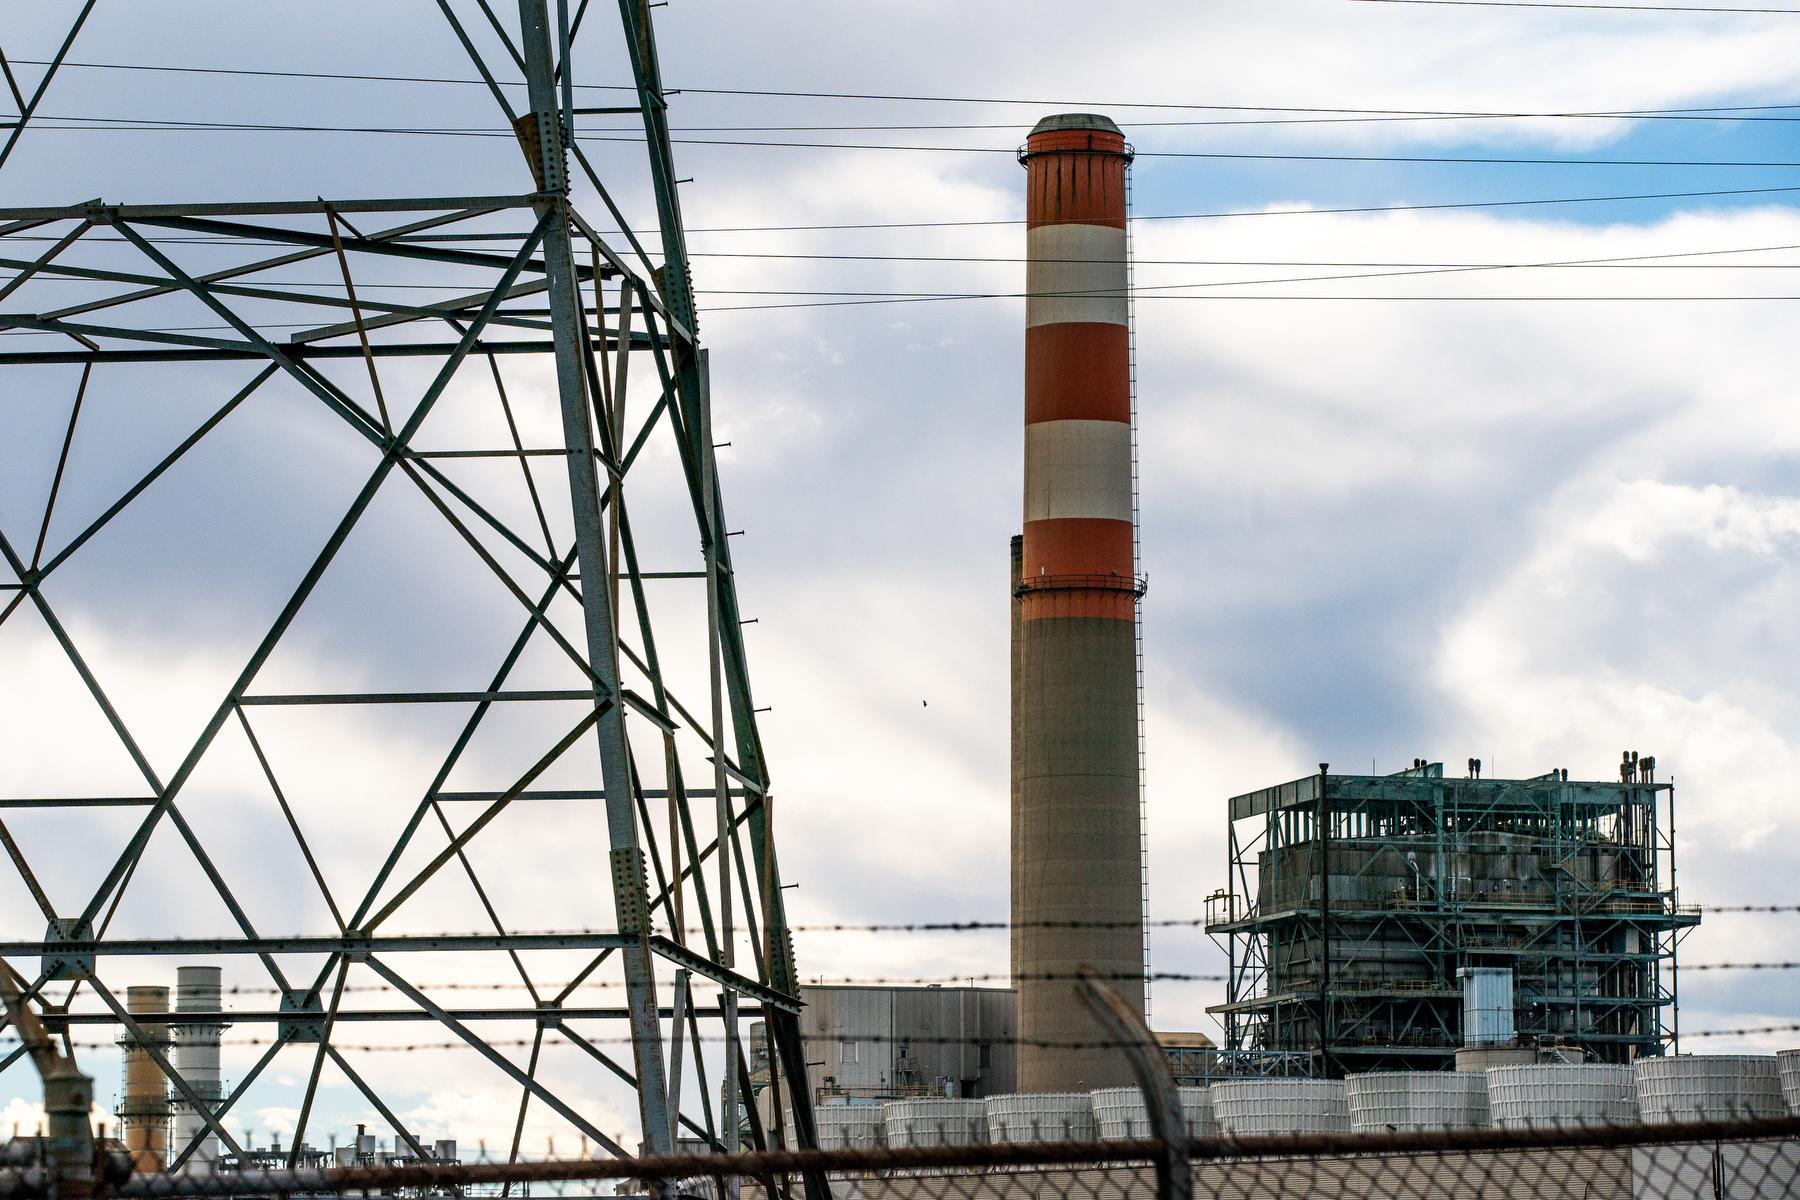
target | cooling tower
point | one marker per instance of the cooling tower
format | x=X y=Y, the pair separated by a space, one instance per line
x=1040 y=1117
x=1077 y=883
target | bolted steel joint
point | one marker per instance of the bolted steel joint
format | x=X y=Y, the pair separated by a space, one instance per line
x=541 y=140
x=631 y=890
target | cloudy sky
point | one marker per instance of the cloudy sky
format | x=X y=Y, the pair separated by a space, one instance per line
x=1535 y=515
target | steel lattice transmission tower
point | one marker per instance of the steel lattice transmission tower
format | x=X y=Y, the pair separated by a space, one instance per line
x=414 y=406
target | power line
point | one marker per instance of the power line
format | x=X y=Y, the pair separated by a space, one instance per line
x=146 y=123
x=1297 y=297
x=1006 y=221
x=1247 y=262
x=1146 y=290
x=133 y=125
x=1270 y=212
x=361 y=285
x=890 y=97
x=1359 y=298
x=1413 y=270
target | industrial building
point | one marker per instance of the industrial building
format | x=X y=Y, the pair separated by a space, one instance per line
x=890 y=1043
x=364 y=1150
x=1355 y=900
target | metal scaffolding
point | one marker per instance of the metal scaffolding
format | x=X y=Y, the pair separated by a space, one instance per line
x=673 y=778
x=1355 y=899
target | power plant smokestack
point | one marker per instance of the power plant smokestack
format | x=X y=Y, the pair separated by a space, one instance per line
x=1077 y=890
x=144 y=1094
x=198 y=990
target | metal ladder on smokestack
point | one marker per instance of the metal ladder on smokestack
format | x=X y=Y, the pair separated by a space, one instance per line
x=1137 y=569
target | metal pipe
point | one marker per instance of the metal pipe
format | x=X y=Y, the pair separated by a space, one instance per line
x=1323 y=836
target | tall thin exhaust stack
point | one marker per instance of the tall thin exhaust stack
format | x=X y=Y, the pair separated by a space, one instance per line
x=1077 y=892
x=144 y=1092
x=198 y=990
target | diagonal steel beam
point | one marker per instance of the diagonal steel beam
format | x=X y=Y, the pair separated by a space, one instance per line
x=29 y=108
x=612 y=1064
x=29 y=270
x=293 y=824
x=312 y=1081
x=155 y=472
x=148 y=1045
x=538 y=1090
x=369 y=1094
x=62 y=463
x=186 y=1152
x=61 y=635
x=462 y=35
x=454 y=755
x=305 y=588
x=487 y=816
x=161 y=288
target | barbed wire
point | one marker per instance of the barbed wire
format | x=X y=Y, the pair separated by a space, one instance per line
x=1790 y=1027
x=978 y=926
x=890 y=980
x=1000 y=979
x=815 y=981
x=981 y=926
x=872 y=1038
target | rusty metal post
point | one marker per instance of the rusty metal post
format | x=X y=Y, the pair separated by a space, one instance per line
x=1162 y=1098
x=68 y=1097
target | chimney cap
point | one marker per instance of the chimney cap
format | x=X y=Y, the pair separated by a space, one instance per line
x=1063 y=121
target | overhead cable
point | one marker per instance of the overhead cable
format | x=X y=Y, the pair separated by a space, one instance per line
x=892 y=97
x=139 y=125
x=1004 y=221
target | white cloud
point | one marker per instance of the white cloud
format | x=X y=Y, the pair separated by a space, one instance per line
x=22 y=1117
x=1636 y=622
x=482 y=1119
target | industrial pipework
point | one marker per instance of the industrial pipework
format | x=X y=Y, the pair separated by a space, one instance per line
x=197 y=990
x=1077 y=885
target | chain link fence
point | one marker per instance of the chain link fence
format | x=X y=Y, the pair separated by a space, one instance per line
x=1031 y=1156
x=1736 y=1160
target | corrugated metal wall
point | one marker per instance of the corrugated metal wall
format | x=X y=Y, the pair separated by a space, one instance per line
x=909 y=1041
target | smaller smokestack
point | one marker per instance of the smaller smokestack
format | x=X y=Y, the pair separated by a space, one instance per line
x=198 y=990
x=144 y=1092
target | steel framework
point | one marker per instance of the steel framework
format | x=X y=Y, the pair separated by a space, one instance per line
x=1354 y=899
x=674 y=780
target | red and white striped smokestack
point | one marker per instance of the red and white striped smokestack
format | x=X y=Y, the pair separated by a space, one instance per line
x=1077 y=368
x=1077 y=885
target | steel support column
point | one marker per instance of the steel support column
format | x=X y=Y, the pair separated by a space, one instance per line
x=630 y=887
